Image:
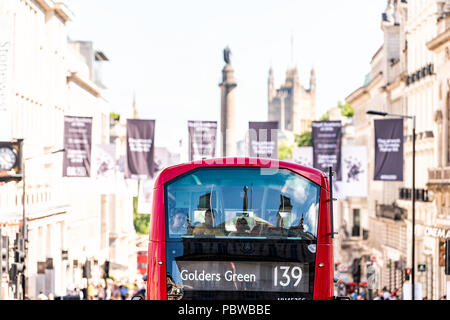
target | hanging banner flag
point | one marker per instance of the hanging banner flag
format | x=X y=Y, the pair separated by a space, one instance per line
x=145 y=196
x=326 y=140
x=388 y=150
x=77 y=145
x=6 y=75
x=140 y=149
x=163 y=159
x=303 y=156
x=353 y=168
x=202 y=139
x=354 y=171
x=263 y=139
x=104 y=167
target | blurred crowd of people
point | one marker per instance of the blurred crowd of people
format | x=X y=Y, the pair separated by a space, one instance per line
x=363 y=293
x=111 y=290
x=385 y=294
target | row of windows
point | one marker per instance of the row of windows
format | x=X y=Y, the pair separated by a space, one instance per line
x=29 y=118
x=9 y=200
x=40 y=42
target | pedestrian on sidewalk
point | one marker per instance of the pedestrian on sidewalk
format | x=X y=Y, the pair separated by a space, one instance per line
x=386 y=293
x=42 y=296
x=393 y=295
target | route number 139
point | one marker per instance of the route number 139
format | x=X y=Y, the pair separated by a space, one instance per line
x=288 y=274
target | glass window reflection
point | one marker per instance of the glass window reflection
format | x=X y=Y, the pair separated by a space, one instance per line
x=241 y=202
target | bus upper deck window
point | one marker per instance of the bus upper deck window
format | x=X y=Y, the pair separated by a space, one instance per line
x=242 y=202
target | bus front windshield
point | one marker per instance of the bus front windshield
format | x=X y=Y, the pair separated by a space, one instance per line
x=242 y=203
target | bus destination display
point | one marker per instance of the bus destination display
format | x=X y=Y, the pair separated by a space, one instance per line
x=243 y=276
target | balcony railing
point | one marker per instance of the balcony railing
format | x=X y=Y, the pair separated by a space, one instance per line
x=421 y=194
x=392 y=212
x=438 y=175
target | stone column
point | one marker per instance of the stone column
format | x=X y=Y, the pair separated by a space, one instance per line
x=438 y=141
x=227 y=86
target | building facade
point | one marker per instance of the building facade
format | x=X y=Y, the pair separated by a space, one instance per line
x=422 y=101
x=70 y=221
x=437 y=229
x=37 y=99
x=377 y=226
x=409 y=76
x=299 y=102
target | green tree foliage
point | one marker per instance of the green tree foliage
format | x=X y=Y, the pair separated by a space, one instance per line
x=141 y=221
x=304 y=139
x=325 y=117
x=285 y=151
x=346 y=109
x=114 y=116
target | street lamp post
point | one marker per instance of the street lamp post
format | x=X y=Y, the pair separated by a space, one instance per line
x=24 y=230
x=413 y=218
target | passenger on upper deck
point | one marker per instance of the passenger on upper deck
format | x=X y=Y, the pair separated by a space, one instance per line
x=207 y=228
x=242 y=228
x=178 y=223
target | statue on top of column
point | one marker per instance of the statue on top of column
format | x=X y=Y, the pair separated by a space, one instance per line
x=227 y=55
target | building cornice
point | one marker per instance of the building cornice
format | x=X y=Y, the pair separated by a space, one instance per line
x=47 y=5
x=365 y=89
x=63 y=11
x=377 y=53
x=85 y=83
x=439 y=40
x=60 y=8
x=375 y=80
x=358 y=93
x=398 y=82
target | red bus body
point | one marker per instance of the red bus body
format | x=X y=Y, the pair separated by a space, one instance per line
x=156 y=268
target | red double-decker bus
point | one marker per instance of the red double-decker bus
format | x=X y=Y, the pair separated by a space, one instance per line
x=241 y=228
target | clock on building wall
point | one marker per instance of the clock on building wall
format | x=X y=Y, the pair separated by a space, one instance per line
x=8 y=158
x=11 y=160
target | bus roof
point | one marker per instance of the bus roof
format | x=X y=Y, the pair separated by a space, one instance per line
x=172 y=172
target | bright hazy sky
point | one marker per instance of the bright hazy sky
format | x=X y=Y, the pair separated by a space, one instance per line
x=170 y=53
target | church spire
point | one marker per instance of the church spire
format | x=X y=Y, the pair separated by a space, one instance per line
x=292 y=49
x=134 y=110
x=312 y=80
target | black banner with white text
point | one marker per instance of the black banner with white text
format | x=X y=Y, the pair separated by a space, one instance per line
x=388 y=150
x=140 y=149
x=263 y=139
x=202 y=139
x=326 y=140
x=77 y=145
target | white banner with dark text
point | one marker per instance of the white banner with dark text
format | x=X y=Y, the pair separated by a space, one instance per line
x=353 y=167
x=104 y=167
x=202 y=139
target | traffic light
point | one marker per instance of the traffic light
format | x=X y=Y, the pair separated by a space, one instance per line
x=447 y=257
x=87 y=270
x=13 y=273
x=19 y=253
x=407 y=274
x=11 y=160
x=4 y=254
x=356 y=270
x=106 y=270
